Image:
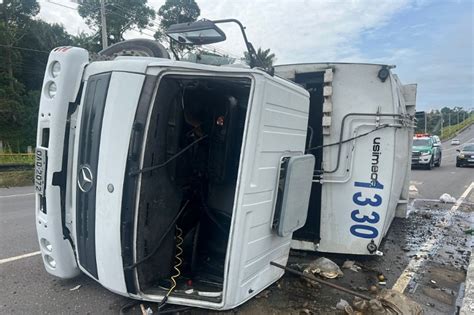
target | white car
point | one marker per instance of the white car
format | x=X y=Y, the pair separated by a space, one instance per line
x=455 y=142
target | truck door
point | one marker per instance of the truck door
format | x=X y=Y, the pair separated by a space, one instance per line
x=276 y=127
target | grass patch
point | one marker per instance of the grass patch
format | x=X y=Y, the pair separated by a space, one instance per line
x=450 y=131
x=17 y=158
x=16 y=178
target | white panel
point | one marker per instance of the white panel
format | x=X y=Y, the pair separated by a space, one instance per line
x=122 y=99
x=277 y=126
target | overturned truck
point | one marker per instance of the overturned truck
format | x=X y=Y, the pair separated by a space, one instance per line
x=177 y=182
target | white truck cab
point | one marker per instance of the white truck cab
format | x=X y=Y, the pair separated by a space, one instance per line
x=142 y=160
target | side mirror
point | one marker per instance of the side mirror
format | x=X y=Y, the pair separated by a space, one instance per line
x=196 y=33
x=458 y=150
x=436 y=145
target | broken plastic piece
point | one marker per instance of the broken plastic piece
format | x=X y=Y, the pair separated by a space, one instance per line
x=325 y=268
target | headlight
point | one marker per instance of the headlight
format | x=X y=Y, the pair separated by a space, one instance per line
x=461 y=156
x=50 y=261
x=51 y=89
x=55 y=69
x=46 y=245
x=426 y=153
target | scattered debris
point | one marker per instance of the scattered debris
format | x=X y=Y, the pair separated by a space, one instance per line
x=388 y=302
x=446 y=198
x=343 y=305
x=350 y=264
x=147 y=311
x=75 y=288
x=373 y=288
x=325 y=268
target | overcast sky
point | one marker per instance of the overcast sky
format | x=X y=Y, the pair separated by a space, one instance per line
x=430 y=41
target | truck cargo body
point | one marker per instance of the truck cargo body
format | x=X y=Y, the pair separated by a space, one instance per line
x=360 y=131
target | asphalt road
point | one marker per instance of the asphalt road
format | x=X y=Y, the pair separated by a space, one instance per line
x=26 y=288
x=447 y=178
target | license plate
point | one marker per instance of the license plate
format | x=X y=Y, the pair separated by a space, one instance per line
x=40 y=168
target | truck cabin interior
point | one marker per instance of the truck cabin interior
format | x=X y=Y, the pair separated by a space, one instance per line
x=192 y=152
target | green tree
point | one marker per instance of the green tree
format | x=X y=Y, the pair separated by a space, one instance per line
x=40 y=40
x=122 y=15
x=25 y=45
x=176 y=11
x=89 y=42
x=15 y=17
x=265 y=59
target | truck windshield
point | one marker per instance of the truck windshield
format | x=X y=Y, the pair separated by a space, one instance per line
x=421 y=142
x=469 y=147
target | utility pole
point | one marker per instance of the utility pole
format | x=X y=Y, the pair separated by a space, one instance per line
x=103 y=24
x=426 y=121
x=442 y=121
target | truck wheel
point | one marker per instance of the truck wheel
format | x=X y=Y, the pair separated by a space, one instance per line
x=457 y=164
x=438 y=164
x=136 y=47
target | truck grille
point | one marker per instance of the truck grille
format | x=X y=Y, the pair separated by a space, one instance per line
x=88 y=158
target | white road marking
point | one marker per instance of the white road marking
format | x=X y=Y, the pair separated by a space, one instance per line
x=420 y=257
x=18 y=195
x=7 y=260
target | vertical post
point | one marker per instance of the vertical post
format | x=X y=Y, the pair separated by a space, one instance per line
x=442 y=121
x=103 y=24
x=426 y=121
x=449 y=119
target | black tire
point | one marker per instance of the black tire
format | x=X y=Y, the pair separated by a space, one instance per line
x=136 y=47
x=430 y=165
x=458 y=165
x=438 y=164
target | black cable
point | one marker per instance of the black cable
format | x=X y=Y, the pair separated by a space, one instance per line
x=24 y=48
x=158 y=245
x=154 y=167
x=347 y=140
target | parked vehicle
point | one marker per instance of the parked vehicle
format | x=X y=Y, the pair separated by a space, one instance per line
x=426 y=152
x=455 y=142
x=170 y=181
x=465 y=156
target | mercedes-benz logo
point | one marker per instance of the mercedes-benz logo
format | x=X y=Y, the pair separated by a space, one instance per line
x=85 y=179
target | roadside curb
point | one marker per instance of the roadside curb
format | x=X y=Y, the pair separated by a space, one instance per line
x=467 y=307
